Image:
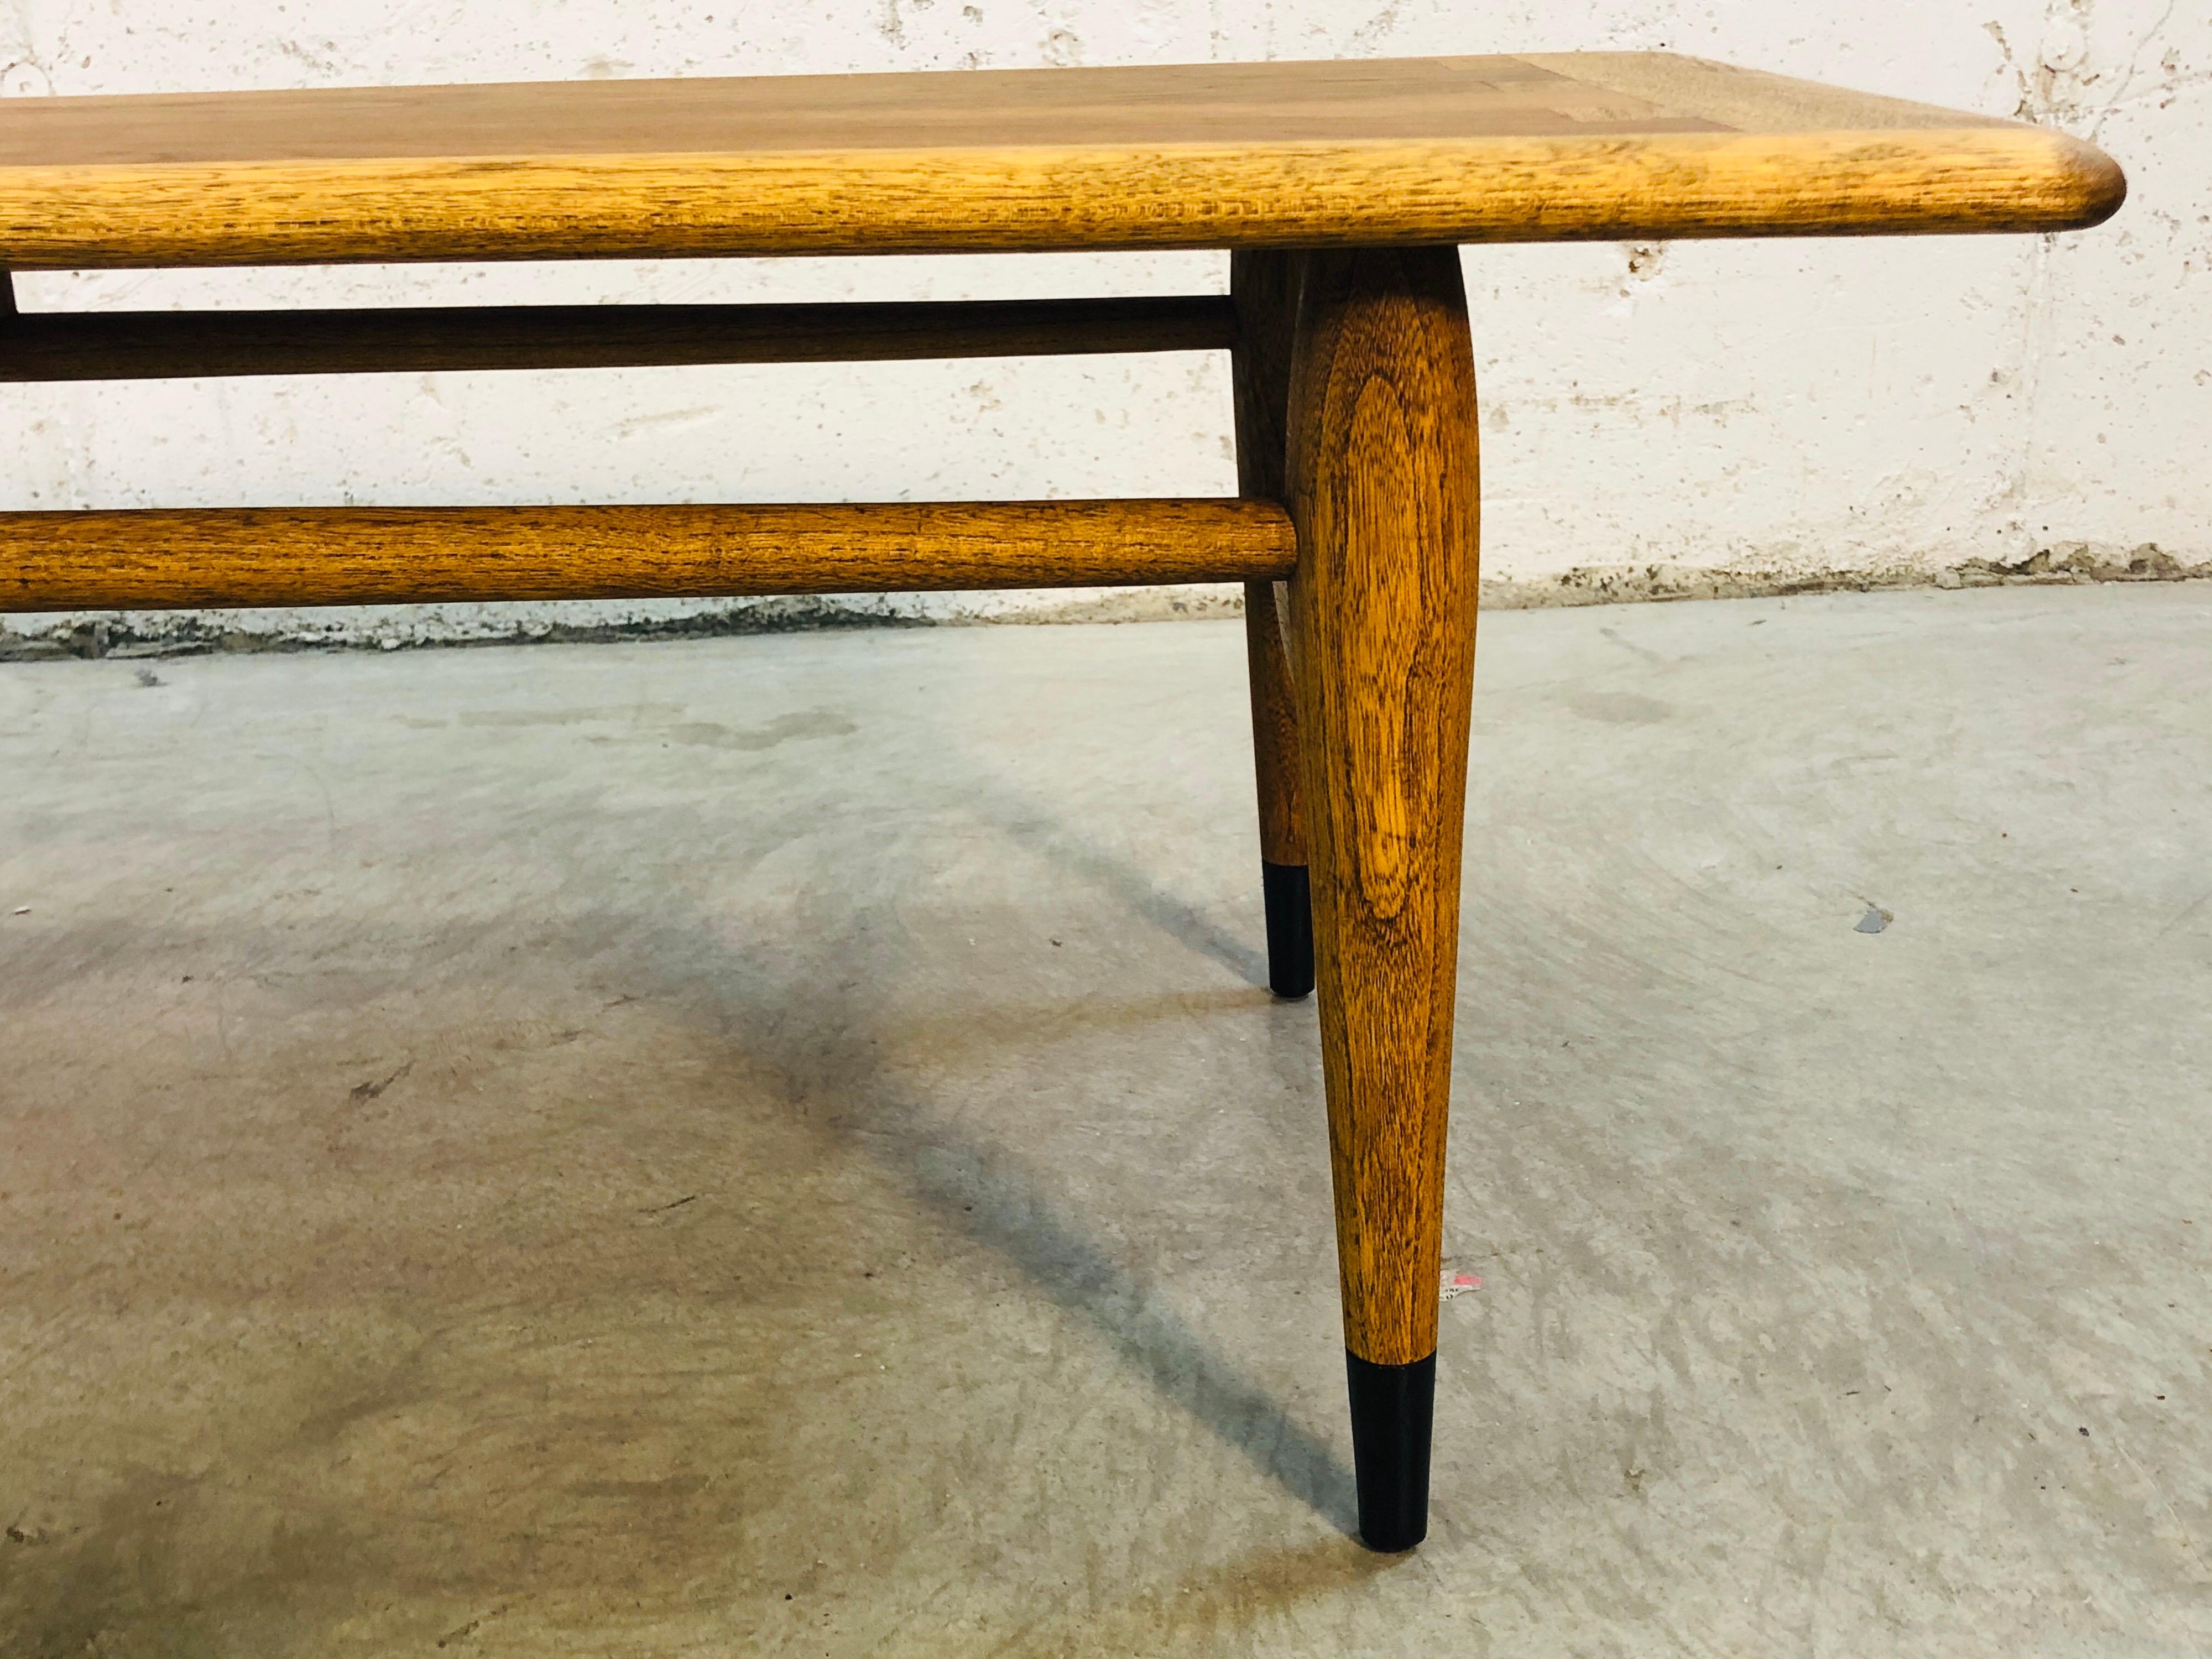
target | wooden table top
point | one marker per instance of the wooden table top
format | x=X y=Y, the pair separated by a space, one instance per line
x=1595 y=145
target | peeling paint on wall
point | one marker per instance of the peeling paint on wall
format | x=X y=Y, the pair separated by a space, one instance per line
x=1660 y=419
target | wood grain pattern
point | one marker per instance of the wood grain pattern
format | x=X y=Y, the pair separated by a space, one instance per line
x=1383 y=465
x=220 y=558
x=1743 y=99
x=166 y=345
x=1264 y=288
x=968 y=110
x=1237 y=155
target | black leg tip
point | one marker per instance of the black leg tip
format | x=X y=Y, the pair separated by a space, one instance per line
x=1290 y=929
x=1394 y=1408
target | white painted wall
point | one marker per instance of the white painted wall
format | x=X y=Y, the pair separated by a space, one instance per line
x=1686 y=416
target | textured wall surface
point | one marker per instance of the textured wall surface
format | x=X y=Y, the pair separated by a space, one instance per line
x=1669 y=417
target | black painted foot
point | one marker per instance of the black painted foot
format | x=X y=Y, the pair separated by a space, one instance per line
x=1290 y=929
x=1392 y=1410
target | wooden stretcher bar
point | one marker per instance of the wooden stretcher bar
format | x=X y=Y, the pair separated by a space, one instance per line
x=156 y=559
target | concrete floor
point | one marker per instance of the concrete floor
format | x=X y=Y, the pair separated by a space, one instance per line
x=776 y=1147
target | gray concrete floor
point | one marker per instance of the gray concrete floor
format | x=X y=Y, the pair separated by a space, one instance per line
x=776 y=1146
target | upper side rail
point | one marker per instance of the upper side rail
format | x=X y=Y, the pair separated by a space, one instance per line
x=171 y=344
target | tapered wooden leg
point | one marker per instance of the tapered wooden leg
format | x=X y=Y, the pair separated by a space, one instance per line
x=1382 y=460
x=1264 y=288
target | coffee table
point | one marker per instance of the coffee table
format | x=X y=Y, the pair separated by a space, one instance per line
x=1342 y=191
